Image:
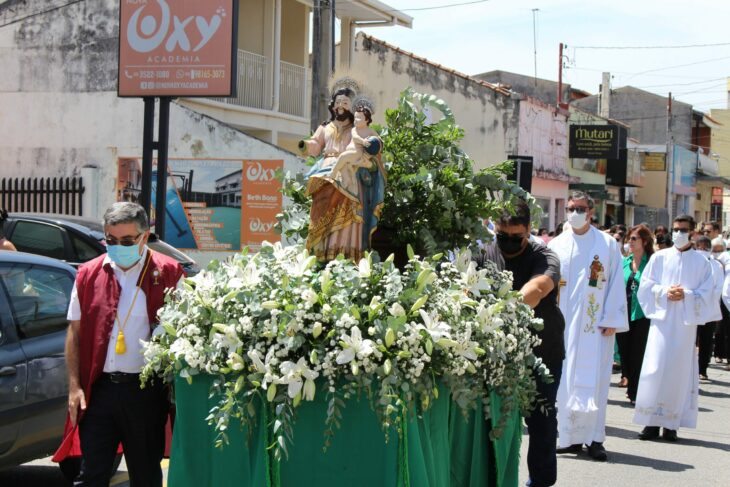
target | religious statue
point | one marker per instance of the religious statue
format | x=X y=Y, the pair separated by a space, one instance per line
x=347 y=183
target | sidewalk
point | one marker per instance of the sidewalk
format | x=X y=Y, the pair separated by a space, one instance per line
x=700 y=459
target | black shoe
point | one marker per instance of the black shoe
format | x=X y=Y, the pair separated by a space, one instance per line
x=670 y=435
x=570 y=449
x=597 y=452
x=649 y=433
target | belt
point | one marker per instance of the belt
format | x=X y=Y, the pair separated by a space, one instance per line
x=119 y=377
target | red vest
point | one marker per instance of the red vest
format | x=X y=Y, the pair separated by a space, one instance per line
x=98 y=291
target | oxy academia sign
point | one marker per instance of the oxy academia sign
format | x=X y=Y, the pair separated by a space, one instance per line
x=177 y=47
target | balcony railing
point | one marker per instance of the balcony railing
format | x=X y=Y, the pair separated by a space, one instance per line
x=255 y=86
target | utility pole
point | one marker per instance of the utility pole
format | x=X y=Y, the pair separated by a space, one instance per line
x=605 y=100
x=322 y=52
x=560 y=76
x=669 y=158
x=534 y=39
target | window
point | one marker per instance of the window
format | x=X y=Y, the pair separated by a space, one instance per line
x=39 y=238
x=84 y=250
x=39 y=297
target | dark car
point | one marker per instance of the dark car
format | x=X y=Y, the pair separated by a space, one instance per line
x=74 y=240
x=34 y=296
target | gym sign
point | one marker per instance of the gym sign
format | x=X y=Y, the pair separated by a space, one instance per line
x=177 y=47
x=594 y=142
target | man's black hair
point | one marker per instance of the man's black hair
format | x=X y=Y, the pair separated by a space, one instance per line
x=686 y=218
x=703 y=242
x=521 y=215
x=715 y=225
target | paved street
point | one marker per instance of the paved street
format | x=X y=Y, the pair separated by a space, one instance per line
x=699 y=459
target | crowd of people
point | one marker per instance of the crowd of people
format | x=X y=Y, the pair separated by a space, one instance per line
x=653 y=301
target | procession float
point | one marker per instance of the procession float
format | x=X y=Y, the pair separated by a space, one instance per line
x=366 y=348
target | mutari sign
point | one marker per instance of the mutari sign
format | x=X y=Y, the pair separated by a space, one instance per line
x=177 y=47
x=594 y=142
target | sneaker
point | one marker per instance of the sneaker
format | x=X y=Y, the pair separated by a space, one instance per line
x=649 y=433
x=703 y=377
x=597 y=452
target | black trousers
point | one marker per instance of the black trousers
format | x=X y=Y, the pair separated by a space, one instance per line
x=722 y=334
x=128 y=414
x=543 y=430
x=705 y=336
x=631 y=345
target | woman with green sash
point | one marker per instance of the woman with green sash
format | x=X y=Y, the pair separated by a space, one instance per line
x=633 y=343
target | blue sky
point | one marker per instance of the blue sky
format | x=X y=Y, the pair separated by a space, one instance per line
x=498 y=34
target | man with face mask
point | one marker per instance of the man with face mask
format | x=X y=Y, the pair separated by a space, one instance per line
x=705 y=334
x=113 y=308
x=536 y=274
x=677 y=292
x=593 y=300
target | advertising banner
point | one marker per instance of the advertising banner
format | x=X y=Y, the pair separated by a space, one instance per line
x=594 y=142
x=177 y=48
x=653 y=161
x=684 y=171
x=212 y=204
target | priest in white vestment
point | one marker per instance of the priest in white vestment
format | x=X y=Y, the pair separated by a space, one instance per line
x=677 y=292
x=593 y=301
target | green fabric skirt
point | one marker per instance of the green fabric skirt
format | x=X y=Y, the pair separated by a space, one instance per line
x=441 y=448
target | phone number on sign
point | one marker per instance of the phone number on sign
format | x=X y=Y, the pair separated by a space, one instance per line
x=208 y=73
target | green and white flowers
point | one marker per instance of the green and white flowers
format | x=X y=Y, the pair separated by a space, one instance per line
x=280 y=326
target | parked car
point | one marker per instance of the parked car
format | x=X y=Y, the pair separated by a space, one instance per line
x=74 y=240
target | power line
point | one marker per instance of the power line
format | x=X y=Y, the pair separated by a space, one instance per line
x=683 y=84
x=421 y=9
x=686 y=46
x=682 y=65
x=36 y=14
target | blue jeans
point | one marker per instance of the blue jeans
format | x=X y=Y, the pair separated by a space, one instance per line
x=543 y=430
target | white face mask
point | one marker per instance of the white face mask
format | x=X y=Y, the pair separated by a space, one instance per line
x=704 y=253
x=576 y=220
x=626 y=248
x=716 y=255
x=680 y=239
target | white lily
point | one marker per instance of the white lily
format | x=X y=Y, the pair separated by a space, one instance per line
x=463 y=260
x=363 y=268
x=397 y=310
x=354 y=346
x=435 y=328
x=475 y=280
x=302 y=263
x=310 y=297
x=294 y=375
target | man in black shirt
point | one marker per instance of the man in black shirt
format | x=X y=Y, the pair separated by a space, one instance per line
x=536 y=274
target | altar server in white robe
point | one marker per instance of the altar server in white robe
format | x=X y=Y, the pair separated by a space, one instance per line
x=677 y=292
x=593 y=301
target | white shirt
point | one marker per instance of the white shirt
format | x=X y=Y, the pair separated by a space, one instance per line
x=137 y=328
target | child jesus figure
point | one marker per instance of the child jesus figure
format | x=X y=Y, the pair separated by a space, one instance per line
x=353 y=158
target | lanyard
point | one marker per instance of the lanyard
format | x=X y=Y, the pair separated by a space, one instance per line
x=121 y=347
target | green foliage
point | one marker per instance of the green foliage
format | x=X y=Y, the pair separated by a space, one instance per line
x=435 y=200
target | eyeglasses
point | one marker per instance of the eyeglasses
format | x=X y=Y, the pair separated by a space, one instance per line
x=706 y=232
x=681 y=230
x=577 y=209
x=634 y=238
x=124 y=242
x=516 y=237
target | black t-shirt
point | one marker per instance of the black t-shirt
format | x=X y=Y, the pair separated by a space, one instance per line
x=536 y=260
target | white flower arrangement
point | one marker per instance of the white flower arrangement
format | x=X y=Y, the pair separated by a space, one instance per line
x=280 y=326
